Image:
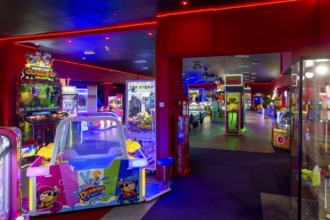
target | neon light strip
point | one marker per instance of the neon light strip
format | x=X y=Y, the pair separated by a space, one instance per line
x=88 y=65
x=140 y=25
x=31 y=193
x=143 y=182
x=222 y=8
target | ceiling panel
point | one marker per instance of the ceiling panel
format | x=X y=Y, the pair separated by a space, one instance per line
x=75 y=7
x=123 y=48
x=107 y=5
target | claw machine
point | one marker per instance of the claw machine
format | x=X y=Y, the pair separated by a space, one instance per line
x=140 y=117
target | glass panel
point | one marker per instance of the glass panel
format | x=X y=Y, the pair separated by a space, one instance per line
x=90 y=143
x=4 y=177
x=310 y=152
x=141 y=117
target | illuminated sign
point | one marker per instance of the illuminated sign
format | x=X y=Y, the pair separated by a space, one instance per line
x=69 y=90
x=234 y=80
x=38 y=67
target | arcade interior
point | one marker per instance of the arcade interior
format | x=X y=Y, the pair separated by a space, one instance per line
x=113 y=111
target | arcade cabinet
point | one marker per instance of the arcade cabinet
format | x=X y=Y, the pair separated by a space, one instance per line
x=38 y=100
x=82 y=99
x=94 y=169
x=69 y=100
x=234 y=117
x=10 y=175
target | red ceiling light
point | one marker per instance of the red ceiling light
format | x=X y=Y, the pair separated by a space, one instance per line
x=107 y=37
x=184 y=2
x=150 y=34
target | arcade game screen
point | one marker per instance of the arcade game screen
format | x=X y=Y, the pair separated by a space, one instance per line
x=38 y=97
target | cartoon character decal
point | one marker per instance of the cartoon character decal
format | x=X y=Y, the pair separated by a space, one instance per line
x=128 y=188
x=46 y=199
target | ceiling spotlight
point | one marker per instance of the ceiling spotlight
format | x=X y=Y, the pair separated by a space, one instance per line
x=206 y=75
x=184 y=2
x=69 y=41
x=107 y=48
x=150 y=34
x=107 y=37
x=196 y=66
x=145 y=68
x=84 y=58
x=89 y=52
x=217 y=80
x=140 y=61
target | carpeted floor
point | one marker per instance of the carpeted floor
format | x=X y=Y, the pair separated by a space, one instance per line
x=224 y=185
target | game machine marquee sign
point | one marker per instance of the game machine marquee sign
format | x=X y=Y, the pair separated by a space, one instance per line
x=38 y=100
x=234 y=80
x=39 y=67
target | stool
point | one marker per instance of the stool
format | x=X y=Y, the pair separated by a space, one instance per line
x=165 y=162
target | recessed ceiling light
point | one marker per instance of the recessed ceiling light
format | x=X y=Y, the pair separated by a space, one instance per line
x=69 y=41
x=150 y=34
x=145 y=68
x=89 y=52
x=322 y=60
x=140 y=61
x=242 y=56
x=107 y=48
x=84 y=58
x=107 y=37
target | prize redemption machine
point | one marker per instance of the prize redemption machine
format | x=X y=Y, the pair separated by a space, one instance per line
x=234 y=108
x=82 y=99
x=39 y=95
x=93 y=169
x=141 y=117
x=69 y=99
x=10 y=175
x=115 y=104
